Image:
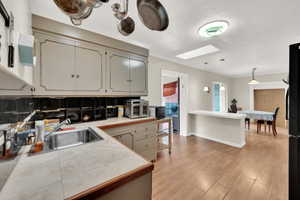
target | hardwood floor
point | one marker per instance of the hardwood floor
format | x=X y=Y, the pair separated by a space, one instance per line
x=200 y=169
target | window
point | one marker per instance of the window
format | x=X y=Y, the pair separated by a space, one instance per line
x=219 y=97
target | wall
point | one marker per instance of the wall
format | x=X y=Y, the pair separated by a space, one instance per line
x=21 y=10
x=197 y=99
x=240 y=89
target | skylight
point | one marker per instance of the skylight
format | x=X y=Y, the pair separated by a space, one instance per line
x=208 y=49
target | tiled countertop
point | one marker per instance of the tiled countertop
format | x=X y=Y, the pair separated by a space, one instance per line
x=62 y=174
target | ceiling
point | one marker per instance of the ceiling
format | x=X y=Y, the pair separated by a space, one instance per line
x=258 y=36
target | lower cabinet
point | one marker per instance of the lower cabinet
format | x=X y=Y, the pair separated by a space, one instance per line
x=138 y=189
x=141 y=138
x=126 y=139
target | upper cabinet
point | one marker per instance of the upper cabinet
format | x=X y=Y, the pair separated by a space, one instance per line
x=138 y=75
x=55 y=61
x=118 y=73
x=75 y=62
x=127 y=74
x=68 y=67
x=89 y=67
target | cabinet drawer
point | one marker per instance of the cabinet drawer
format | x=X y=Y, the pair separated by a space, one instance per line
x=145 y=145
x=145 y=132
x=117 y=131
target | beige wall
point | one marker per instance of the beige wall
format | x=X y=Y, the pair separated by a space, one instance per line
x=197 y=99
x=240 y=87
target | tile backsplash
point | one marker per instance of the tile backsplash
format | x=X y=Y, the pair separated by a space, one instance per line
x=16 y=109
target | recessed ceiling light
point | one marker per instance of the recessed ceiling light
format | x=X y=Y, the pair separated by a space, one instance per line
x=213 y=28
x=198 y=52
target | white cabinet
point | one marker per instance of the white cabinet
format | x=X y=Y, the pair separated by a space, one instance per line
x=89 y=67
x=127 y=74
x=140 y=137
x=126 y=139
x=68 y=67
x=138 y=75
x=139 y=188
x=118 y=73
x=56 y=61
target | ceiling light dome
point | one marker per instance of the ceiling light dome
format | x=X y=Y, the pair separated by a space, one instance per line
x=214 y=28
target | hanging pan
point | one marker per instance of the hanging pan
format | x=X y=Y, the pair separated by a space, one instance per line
x=153 y=14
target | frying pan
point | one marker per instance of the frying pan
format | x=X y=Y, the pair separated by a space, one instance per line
x=153 y=14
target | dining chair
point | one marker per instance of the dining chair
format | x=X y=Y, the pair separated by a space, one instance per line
x=273 y=123
x=269 y=123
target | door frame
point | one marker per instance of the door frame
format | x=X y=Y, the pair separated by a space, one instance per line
x=183 y=97
x=226 y=95
x=265 y=86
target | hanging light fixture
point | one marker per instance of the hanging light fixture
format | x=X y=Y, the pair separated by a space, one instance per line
x=253 y=81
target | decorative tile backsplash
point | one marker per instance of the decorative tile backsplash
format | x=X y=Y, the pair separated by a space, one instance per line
x=16 y=109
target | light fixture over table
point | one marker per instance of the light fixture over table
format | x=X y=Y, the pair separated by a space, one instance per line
x=151 y=12
x=253 y=81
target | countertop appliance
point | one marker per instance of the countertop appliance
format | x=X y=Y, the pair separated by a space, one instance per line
x=137 y=108
x=159 y=112
x=294 y=122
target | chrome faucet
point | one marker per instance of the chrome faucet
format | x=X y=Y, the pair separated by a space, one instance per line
x=55 y=129
x=26 y=120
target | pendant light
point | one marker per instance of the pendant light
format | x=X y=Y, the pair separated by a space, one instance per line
x=253 y=81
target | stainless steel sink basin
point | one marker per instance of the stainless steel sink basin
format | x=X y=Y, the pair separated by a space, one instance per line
x=71 y=138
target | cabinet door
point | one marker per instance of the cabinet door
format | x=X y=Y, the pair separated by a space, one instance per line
x=126 y=139
x=57 y=56
x=119 y=73
x=89 y=65
x=138 y=75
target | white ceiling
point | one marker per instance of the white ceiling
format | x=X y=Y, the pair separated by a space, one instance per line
x=259 y=33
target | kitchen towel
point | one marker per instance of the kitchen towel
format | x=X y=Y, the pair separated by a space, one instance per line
x=26 y=43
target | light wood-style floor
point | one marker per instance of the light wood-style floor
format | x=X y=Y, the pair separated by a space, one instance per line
x=199 y=169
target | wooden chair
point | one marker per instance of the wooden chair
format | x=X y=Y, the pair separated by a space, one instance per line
x=269 y=123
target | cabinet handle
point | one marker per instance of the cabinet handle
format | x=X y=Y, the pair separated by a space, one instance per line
x=72 y=76
x=77 y=76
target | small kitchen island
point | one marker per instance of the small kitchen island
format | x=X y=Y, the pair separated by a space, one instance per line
x=226 y=128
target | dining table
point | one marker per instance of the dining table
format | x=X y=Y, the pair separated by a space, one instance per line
x=258 y=115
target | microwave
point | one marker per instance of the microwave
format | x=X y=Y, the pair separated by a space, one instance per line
x=136 y=108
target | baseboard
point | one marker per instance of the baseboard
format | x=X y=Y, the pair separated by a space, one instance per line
x=218 y=140
x=184 y=133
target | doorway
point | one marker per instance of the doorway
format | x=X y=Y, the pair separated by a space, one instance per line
x=182 y=96
x=171 y=100
x=268 y=100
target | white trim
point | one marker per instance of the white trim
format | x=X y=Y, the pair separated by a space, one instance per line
x=218 y=140
x=265 y=86
x=184 y=106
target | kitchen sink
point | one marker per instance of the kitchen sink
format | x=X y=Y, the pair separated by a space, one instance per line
x=71 y=138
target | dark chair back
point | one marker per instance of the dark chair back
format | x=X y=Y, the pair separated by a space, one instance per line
x=276 y=113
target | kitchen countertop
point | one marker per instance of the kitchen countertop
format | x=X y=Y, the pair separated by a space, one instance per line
x=218 y=114
x=74 y=172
